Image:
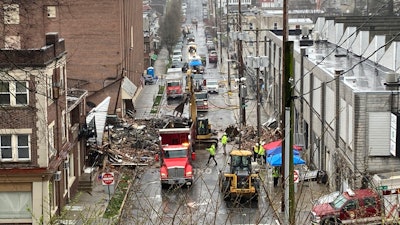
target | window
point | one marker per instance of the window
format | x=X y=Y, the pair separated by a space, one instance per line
x=51 y=12
x=15 y=147
x=351 y=205
x=370 y=202
x=21 y=93
x=5 y=93
x=12 y=42
x=13 y=93
x=15 y=205
x=52 y=150
x=11 y=13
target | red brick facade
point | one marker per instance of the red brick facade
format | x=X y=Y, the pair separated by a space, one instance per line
x=105 y=42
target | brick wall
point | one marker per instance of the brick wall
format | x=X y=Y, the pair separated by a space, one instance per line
x=98 y=41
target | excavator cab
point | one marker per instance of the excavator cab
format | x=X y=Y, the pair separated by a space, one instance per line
x=203 y=127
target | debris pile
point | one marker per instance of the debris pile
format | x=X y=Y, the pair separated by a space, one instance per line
x=248 y=136
x=131 y=142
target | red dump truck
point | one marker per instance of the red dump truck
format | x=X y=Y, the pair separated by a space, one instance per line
x=174 y=83
x=176 y=156
x=378 y=204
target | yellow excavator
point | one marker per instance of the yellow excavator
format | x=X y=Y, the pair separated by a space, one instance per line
x=241 y=180
x=201 y=125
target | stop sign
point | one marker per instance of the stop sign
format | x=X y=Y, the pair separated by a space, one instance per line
x=296 y=178
x=108 y=178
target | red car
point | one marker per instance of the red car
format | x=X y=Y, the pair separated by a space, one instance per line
x=213 y=57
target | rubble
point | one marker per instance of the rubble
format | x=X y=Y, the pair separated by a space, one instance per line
x=248 y=136
x=133 y=142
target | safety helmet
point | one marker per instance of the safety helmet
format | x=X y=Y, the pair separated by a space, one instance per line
x=256 y=144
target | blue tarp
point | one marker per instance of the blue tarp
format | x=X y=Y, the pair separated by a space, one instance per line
x=276 y=160
x=195 y=62
x=278 y=150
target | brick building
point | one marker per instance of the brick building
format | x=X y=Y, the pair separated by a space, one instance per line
x=41 y=157
x=105 y=42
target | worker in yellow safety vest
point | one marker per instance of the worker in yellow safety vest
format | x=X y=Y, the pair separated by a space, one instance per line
x=256 y=148
x=211 y=150
x=224 y=141
x=261 y=153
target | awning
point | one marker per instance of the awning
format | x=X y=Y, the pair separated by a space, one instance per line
x=278 y=143
x=128 y=89
x=96 y=119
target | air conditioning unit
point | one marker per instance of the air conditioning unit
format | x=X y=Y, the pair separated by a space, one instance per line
x=57 y=176
x=392 y=78
x=66 y=164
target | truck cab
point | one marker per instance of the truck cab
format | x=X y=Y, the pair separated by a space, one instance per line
x=174 y=83
x=201 y=101
x=176 y=156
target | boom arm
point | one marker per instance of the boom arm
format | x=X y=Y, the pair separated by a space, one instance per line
x=193 y=108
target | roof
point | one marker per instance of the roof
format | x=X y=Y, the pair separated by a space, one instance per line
x=238 y=152
x=365 y=59
x=97 y=118
x=360 y=193
x=74 y=97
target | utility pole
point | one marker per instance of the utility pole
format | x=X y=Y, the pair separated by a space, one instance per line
x=283 y=103
x=287 y=118
x=215 y=14
x=241 y=69
x=220 y=32
x=258 y=90
x=227 y=48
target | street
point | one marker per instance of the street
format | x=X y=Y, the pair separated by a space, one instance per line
x=202 y=203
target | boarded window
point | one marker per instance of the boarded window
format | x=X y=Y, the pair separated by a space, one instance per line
x=11 y=13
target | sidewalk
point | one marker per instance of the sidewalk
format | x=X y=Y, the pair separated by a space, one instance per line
x=144 y=102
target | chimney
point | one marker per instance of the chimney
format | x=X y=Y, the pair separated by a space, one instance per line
x=51 y=38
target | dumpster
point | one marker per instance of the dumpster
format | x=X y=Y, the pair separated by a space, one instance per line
x=150 y=71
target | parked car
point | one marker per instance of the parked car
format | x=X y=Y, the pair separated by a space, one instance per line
x=178 y=46
x=177 y=53
x=210 y=47
x=176 y=64
x=176 y=58
x=212 y=57
x=148 y=79
x=212 y=86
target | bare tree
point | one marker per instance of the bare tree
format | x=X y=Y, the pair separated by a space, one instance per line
x=170 y=24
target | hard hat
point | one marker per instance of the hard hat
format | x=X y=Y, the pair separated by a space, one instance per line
x=256 y=144
x=224 y=133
